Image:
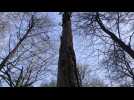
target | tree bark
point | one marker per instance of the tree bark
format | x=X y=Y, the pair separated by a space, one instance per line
x=67 y=70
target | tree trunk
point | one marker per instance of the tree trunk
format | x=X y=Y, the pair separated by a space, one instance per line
x=67 y=71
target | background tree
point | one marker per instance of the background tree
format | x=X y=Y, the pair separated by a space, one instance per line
x=87 y=79
x=106 y=29
x=29 y=50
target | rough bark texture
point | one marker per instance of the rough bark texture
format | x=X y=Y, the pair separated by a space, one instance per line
x=67 y=71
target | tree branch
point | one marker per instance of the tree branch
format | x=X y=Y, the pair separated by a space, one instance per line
x=114 y=37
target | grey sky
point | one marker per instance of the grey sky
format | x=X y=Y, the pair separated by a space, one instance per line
x=86 y=53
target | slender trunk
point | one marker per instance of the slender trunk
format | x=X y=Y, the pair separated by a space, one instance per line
x=67 y=71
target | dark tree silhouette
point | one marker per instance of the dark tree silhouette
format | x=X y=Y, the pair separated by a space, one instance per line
x=67 y=71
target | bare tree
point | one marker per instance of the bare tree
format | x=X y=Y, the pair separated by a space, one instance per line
x=125 y=47
x=87 y=79
x=67 y=71
x=119 y=65
x=116 y=39
x=27 y=59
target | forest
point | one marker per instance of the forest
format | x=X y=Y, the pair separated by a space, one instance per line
x=66 y=49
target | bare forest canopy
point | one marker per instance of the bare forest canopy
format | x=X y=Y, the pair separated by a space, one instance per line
x=66 y=49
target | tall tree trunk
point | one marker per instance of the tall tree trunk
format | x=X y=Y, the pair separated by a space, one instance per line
x=67 y=71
